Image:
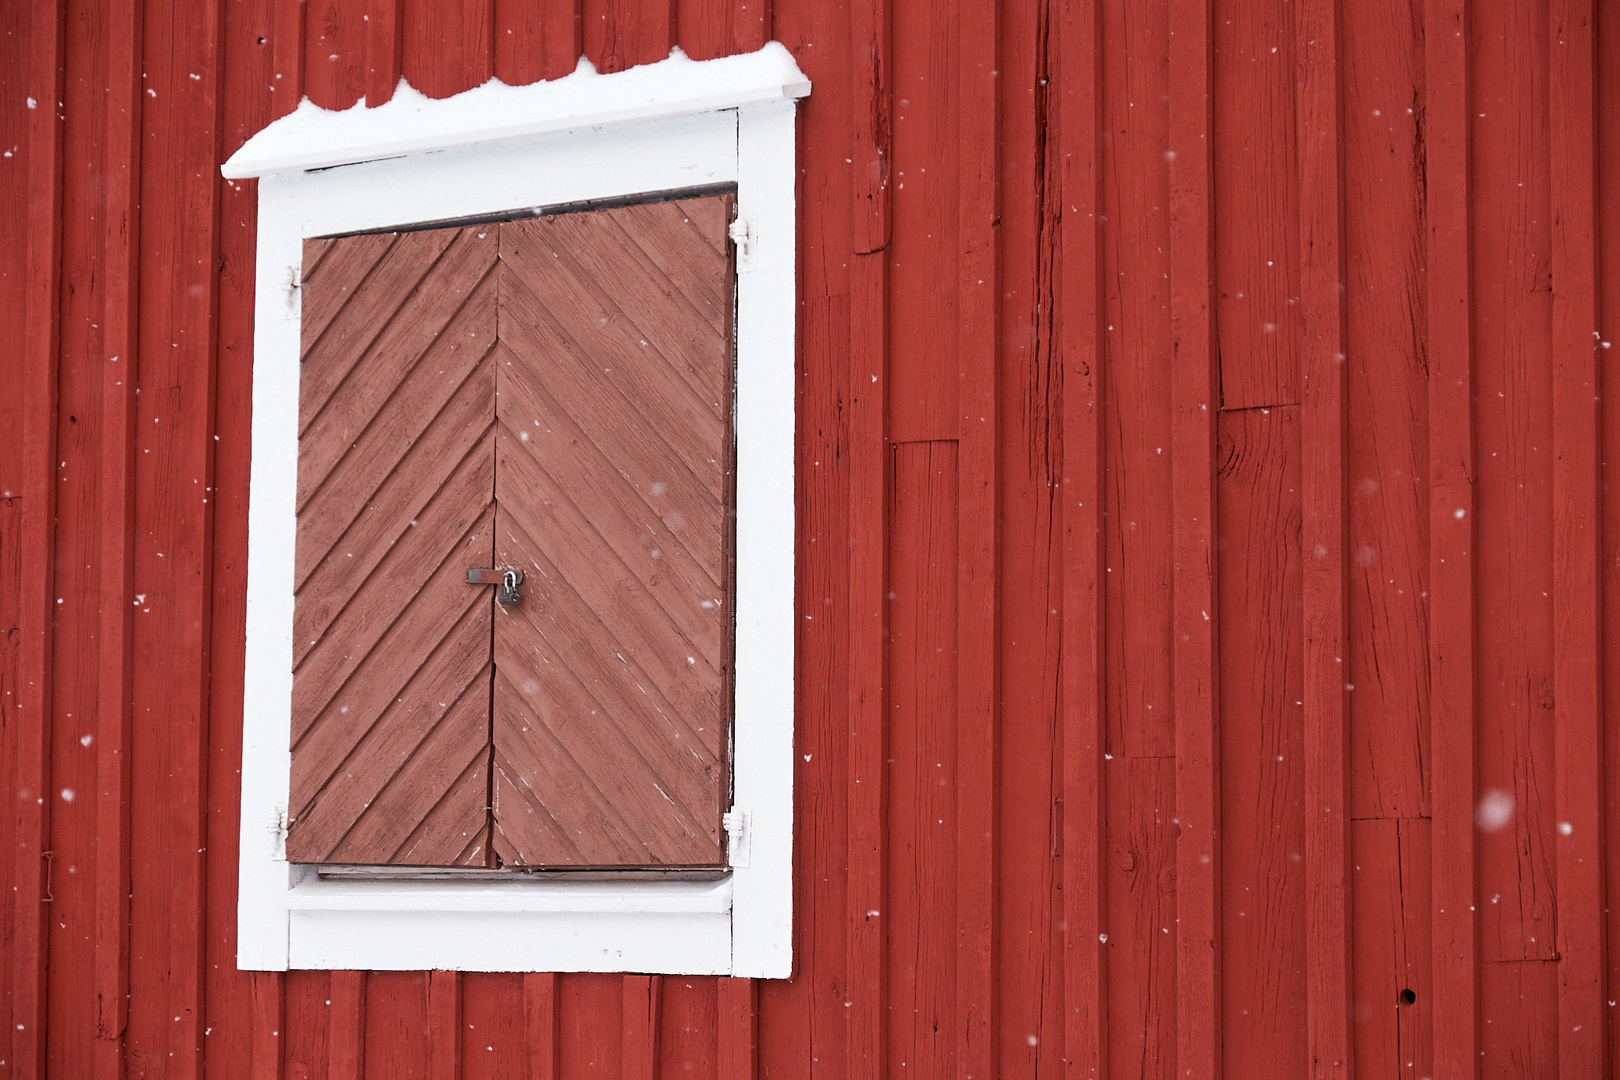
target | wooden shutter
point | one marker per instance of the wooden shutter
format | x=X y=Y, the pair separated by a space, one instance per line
x=613 y=478
x=554 y=396
x=395 y=483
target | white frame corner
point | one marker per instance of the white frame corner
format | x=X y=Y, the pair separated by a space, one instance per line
x=677 y=124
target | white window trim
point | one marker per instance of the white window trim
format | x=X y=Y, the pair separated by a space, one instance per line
x=666 y=126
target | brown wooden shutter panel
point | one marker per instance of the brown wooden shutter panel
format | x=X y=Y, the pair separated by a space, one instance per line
x=552 y=395
x=396 y=476
x=612 y=686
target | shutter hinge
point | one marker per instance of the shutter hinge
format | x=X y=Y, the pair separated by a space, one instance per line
x=736 y=822
x=741 y=232
x=278 y=834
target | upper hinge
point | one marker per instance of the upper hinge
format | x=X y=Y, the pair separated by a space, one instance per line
x=742 y=234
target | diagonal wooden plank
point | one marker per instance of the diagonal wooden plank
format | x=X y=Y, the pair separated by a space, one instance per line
x=335 y=531
x=660 y=296
x=580 y=792
x=517 y=811
x=329 y=357
x=710 y=218
x=625 y=551
x=608 y=607
x=541 y=288
x=432 y=784
x=612 y=720
x=334 y=269
x=610 y=371
x=396 y=388
x=325 y=660
x=571 y=377
x=368 y=733
x=660 y=788
x=455 y=832
x=671 y=514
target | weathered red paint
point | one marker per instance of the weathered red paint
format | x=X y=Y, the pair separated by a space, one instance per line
x=1104 y=547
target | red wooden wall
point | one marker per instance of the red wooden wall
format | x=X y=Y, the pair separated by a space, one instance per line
x=1205 y=564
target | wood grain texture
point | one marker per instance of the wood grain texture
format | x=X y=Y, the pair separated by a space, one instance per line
x=978 y=699
x=346 y=1025
x=1451 y=578
x=1583 y=1026
x=738 y=1031
x=1391 y=976
x=119 y=317
x=621 y=34
x=1324 y=536
x=41 y=74
x=1194 y=402
x=257 y=1048
x=1264 y=881
x=867 y=911
x=336 y=46
x=174 y=534
x=1257 y=74
x=444 y=1025
x=541 y=1032
x=448 y=45
x=643 y=995
x=1084 y=625
x=537 y=39
x=1387 y=463
x=614 y=446
x=924 y=769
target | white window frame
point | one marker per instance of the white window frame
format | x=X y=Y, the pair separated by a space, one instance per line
x=673 y=125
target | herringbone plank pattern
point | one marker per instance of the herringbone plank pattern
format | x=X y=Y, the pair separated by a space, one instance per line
x=552 y=395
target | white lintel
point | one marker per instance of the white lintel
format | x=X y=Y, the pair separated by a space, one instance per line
x=311 y=137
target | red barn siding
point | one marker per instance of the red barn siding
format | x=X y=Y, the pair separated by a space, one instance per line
x=1150 y=677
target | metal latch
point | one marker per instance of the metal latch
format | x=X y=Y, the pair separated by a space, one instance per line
x=507 y=581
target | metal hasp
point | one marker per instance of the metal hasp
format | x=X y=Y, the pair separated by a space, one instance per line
x=507 y=581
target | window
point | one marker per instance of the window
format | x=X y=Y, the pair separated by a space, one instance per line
x=522 y=460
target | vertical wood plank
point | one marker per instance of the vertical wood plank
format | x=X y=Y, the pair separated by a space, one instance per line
x=268 y=1021
x=173 y=483
x=448 y=45
x=346 y=1025
x=622 y=34
x=1264 y=881
x=385 y=43
x=444 y=1025
x=1193 y=407
x=1451 y=529
x=978 y=295
x=287 y=57
x=1577 y=542
x=1324 y=536
x=262 y=1046
x=116 y=551
x=541 y=1031
x=32 y=702
x=873 y=106
x=867 y=911
x=642 y=997
x=537 y=39
x=738 y=1034
x=1084 y=633
x=711 y=28
x=337 y=41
